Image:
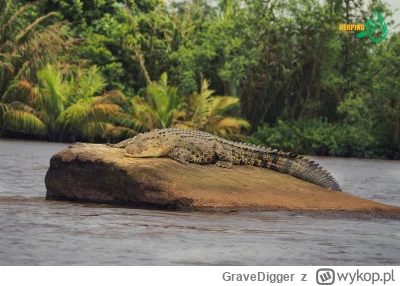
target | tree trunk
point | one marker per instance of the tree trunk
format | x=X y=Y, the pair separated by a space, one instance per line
x=292 y=112
x=304 y=106
x=226 y=87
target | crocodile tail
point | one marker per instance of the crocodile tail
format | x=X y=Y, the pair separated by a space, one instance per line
x=299 y=167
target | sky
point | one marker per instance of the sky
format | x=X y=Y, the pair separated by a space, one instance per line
x=396 y=16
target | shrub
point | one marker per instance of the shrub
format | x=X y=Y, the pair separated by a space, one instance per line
x=316 y=137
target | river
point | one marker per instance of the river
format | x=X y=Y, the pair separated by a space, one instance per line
x=34 y=231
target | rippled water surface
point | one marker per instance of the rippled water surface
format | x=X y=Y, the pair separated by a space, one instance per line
x=34 y=231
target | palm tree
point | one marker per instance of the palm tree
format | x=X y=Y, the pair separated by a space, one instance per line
x=207 y=113
x=58 y=107
x=25 y=48
x=20 y=117
x=160 y=109
x=163 y=109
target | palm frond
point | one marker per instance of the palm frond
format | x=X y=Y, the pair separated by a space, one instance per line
x=4 y=107
x=22 y=70
x=6 y=64
x=95 y=129
x=23 y=121
x=222 y=104
x=16 y=15
x=17 y=105
x=54 y=92
x=108 y=131
x=208 y=113
x=32 y=91
x=112 y=96
x=228 y=127
x=89 y=82
x=103 y=110
x=33 y=25
x=163 y=99
x=24 y=83
x=145 y=115
x=76 y=114
x=128 y=120
x=186 y=125
x=232 y=123
x=115 y=132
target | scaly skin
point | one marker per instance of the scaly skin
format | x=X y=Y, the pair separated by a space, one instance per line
x=191 y=146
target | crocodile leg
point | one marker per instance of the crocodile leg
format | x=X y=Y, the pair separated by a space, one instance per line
x=181 y=155
x=225 y=157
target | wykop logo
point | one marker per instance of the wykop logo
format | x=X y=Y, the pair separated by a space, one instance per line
x=325 y=276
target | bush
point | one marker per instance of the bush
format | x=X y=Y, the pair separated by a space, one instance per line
x=317 y=137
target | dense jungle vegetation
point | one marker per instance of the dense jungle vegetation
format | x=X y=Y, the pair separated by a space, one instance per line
x=274 y=72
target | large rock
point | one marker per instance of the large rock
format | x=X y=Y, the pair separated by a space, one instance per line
x=101 y=174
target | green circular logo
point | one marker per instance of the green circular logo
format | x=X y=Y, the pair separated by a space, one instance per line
x=371 y=26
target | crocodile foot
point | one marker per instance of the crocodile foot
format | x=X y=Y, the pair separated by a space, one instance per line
x=224 y=164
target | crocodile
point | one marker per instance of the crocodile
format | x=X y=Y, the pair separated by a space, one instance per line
x=201 y=147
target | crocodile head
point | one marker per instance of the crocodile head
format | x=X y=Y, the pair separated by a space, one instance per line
x=145 y=145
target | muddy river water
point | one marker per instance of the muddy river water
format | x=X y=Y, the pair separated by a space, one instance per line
x=34 y=231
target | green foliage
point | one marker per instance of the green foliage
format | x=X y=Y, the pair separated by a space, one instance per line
x=59 y=107
x=317 y=137
x=160 y=110
x=29 y=40
x=277 y=63
x=20 y=117
x=164 y=108
x=208 y=113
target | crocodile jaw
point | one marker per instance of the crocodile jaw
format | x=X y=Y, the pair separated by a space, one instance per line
x=151 y=153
